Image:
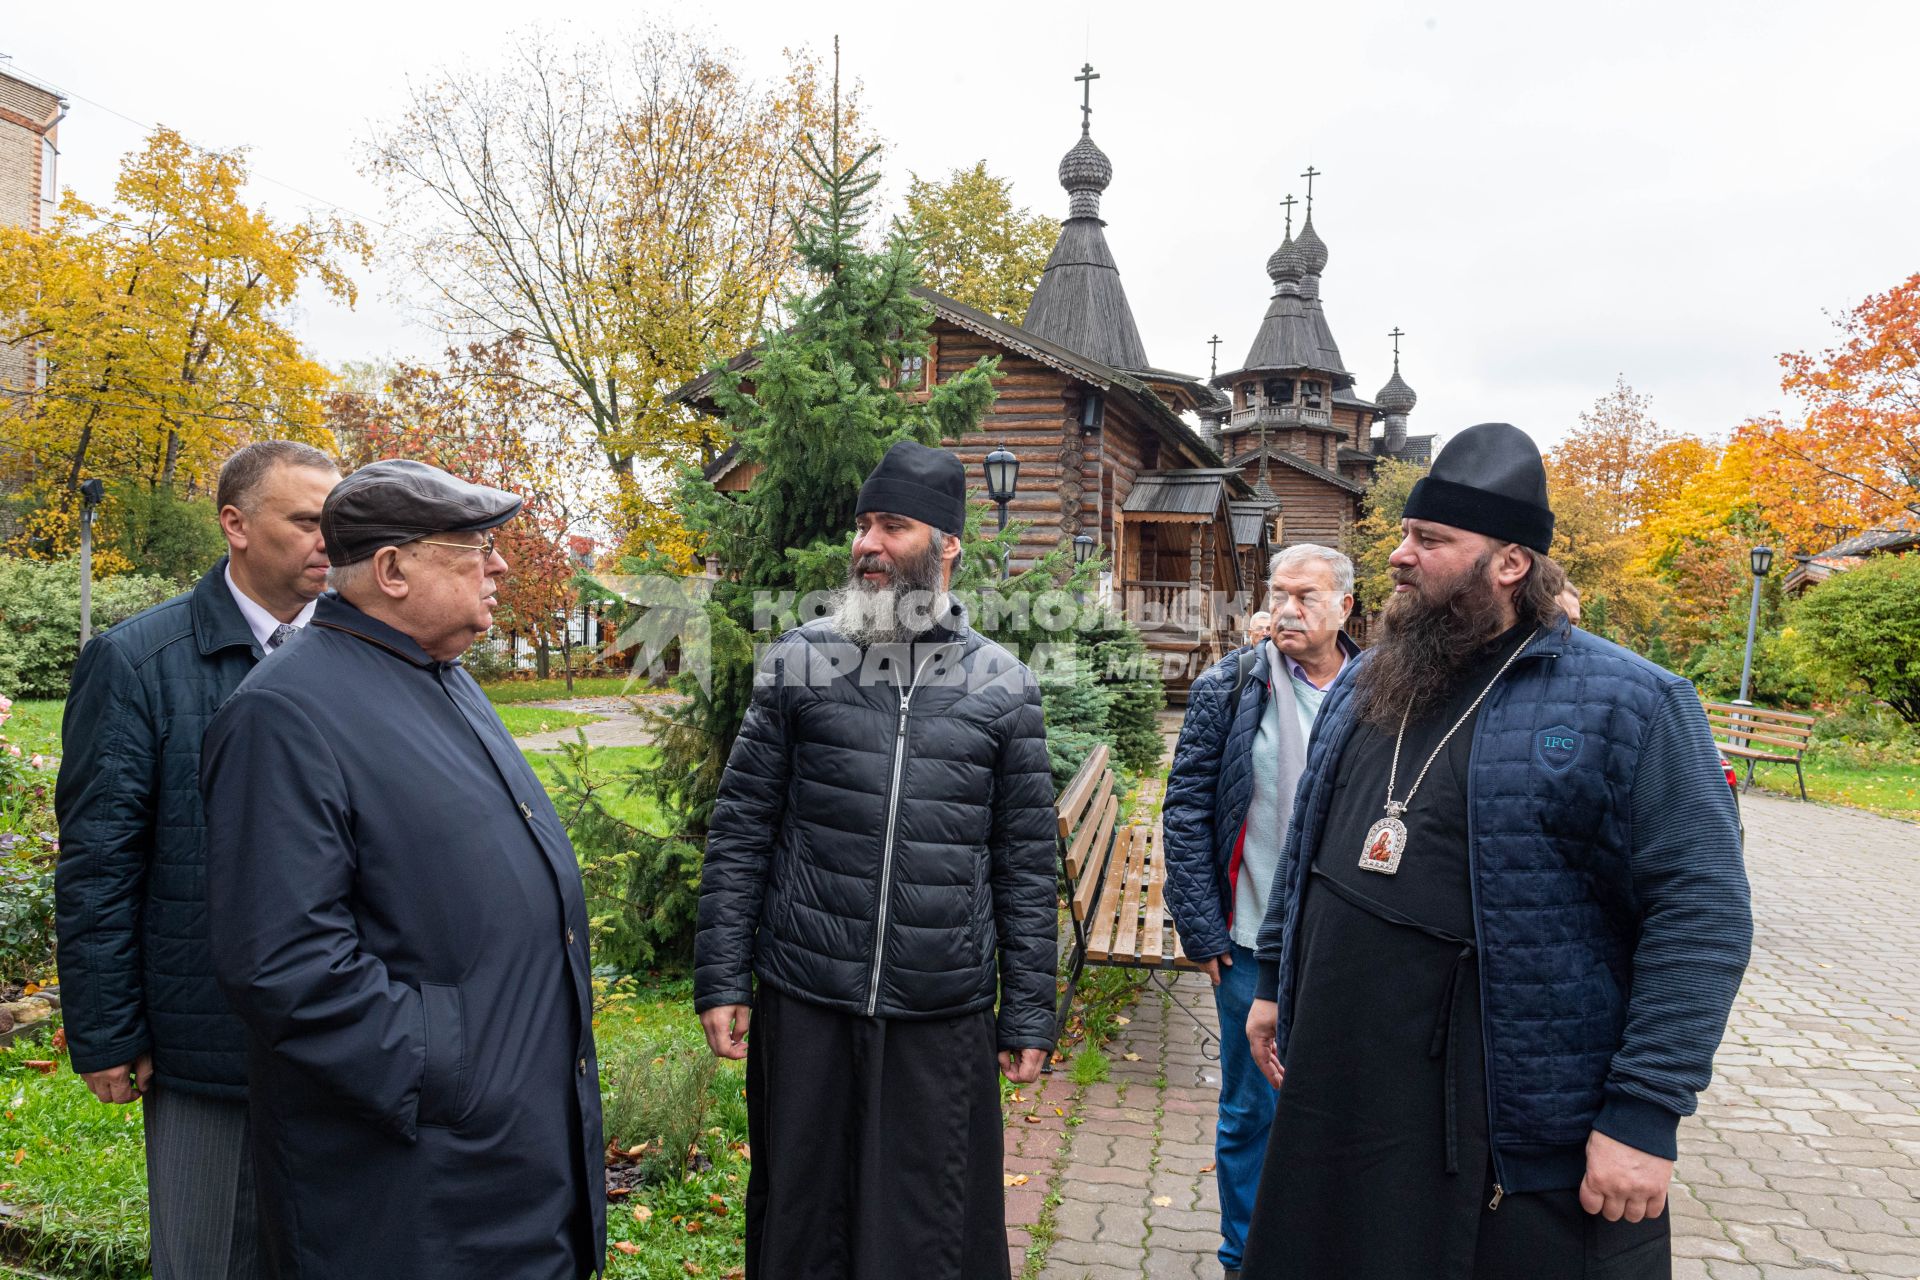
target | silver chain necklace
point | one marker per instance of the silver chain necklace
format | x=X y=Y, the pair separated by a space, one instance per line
x=1387 y=839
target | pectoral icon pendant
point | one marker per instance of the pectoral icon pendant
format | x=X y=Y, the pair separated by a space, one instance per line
x=1386 y=841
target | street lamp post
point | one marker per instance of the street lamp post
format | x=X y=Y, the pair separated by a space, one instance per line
x=91 y=491
x=1003 y=475
x=1761 y=560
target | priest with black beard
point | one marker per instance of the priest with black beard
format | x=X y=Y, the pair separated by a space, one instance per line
x=877 y=904
x=1511 y=920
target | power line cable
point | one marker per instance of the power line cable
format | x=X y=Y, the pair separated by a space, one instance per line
x=204 y=150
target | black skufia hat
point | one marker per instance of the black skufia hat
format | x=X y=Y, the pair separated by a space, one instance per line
x=928 y=485
x=396 y=500
x=1489 y=479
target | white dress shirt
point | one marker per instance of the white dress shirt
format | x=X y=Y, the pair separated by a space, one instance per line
x=262 y=623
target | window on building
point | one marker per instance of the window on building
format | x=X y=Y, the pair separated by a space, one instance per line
x=1279 y=390
x=49 y=179
x=913 y=372
x=1312 y=390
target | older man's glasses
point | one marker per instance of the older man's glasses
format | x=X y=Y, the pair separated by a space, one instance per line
x=484 y=546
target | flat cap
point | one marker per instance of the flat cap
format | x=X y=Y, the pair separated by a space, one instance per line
x=395 y=500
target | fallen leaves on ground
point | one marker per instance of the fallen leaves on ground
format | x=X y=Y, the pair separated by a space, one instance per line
x=1015 y=1179
x=1162 y=1201
x=627 y=1247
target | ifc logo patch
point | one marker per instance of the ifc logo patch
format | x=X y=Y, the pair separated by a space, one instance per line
x=1557 y=747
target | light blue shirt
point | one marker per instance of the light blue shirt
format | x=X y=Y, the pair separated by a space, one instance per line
x=1292 y=703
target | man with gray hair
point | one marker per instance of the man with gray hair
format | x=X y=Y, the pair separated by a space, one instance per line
x=1242 y=748
x=399 y=922
x=144 y=1019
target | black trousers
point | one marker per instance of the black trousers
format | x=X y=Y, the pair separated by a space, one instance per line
x=877 y=1146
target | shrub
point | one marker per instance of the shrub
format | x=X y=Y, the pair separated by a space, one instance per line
x=656 y=1095
x=27 y=847
x=1863 y=626
x=39 y=619
x=163 y=534
x=642 y=888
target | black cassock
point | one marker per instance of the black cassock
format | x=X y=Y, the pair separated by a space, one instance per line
x=877 y=1145
x=1378 y=1165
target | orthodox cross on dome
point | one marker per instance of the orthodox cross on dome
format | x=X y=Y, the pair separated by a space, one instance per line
x=1214 y=342
x=1397 y=334
x=1310 y=175
x=1085 y=80
x=1288 y=204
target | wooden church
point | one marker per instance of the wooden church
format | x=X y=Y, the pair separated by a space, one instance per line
x=1186 y=485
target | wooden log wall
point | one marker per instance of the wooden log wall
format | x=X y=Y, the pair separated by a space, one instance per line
x=1037 y=416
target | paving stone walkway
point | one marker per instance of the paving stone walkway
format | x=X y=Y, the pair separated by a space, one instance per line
x=1804 y=1161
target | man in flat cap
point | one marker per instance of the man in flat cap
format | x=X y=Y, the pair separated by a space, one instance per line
x=879 y=873
x=1511 y=921
x=397 y=918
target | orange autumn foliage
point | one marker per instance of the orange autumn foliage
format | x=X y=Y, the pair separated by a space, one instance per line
x=1852 y=461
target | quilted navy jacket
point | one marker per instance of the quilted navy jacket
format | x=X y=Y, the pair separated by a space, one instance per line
x=136 y=973
x=883 y=842
x=1208 y=791
x=1610 y=896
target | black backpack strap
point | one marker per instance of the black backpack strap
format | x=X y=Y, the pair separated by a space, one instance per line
x=1243 y=663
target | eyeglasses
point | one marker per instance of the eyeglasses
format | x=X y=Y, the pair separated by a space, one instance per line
x=484 y=546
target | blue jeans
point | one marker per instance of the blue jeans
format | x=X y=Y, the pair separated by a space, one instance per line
x=1246 y=1107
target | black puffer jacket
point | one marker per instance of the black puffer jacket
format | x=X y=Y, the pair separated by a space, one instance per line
x=131 y=885
x=881 y=834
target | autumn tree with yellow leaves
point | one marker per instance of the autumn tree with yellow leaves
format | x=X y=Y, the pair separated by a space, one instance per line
x=161 y=324
x=627 y=206
x=975 y=246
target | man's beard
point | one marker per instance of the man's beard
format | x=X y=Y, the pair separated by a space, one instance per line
x=1424 y=647
x=899 y=612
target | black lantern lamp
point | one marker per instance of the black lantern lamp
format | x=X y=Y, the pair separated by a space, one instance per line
x=1093 y=411
x=1083 y=545
x=1003 y=476
x=1762 y=561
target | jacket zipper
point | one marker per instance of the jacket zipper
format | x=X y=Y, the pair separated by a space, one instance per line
x=886 y=850
x=1479 y=932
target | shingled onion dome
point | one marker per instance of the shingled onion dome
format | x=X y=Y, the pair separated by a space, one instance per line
x=1396 y=396
x=1313 y=250
x=1085 y=172
x=1287 y=263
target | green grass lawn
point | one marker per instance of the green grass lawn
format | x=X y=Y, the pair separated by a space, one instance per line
x=521 y=720
x=72 y=1169
x=506 y=691
x=1892 y=790
x=34 y=725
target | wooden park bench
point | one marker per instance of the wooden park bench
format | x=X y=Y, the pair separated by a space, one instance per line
x=1781 y=737
x=1115 y=880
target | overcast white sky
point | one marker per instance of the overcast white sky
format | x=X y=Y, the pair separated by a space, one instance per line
x=1541 y=195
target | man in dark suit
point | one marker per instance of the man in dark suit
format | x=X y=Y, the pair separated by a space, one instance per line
x=144 y=1020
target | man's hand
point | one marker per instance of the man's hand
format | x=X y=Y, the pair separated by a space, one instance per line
x=1022 y=1066
x=1263 y=1038
x=1215 y=965
x=726 y=1028
x=118 y=1085
x=1623 y=1181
